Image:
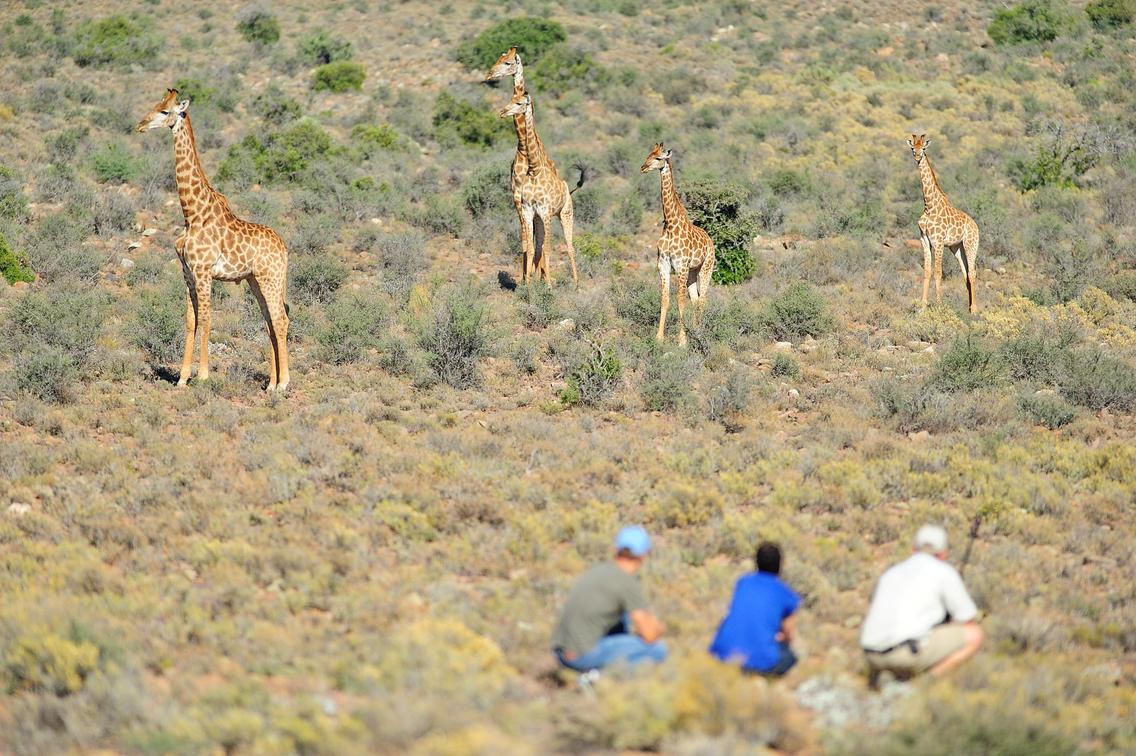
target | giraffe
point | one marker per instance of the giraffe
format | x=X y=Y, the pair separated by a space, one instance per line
x=683 y=247
x=943 y=225
x=509 y=64
x=216 y=244
x=539 y=194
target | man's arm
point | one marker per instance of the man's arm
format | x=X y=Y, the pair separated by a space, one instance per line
x=788 y=629
x=646 y=625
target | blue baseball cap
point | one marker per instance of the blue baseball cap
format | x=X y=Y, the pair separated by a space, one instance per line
x=634 y=539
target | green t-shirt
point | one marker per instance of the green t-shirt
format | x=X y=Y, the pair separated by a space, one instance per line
x=596 y=604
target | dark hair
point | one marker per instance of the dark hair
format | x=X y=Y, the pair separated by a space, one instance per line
x=768 y=558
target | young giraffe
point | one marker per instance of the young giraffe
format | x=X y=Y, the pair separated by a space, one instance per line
x=539 y=194
x=943 y=225
x=217 y=244
x=683 y=247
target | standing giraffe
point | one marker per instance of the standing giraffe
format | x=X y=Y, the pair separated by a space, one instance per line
x=683 y=247
x=539 y=194
x=943 y=225
x=509 y=64
x=217 y=244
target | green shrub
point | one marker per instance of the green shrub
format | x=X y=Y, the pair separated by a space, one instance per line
x=456 y=337
x=456 y=122
x=258 y=25
x=204 y=95
x=12 y=266
x=356 y=322
x=1111 y=14
x=13 y=203
x=282 y=155
x=718 y=208
x=315 y=278
x=638 y=301
x=113 y=163
x=536 y=303
x=1030 y=21
x=159 y=322
x=966 y=365
x=563 y=69
x=340 y=76
x=113 y=41
x=785 y=366
x=51 y=664
x=593 y=375
x=370 y=139
x=1050 y=411
x=488 y=190
x=667 y=380
x=1095 y=380
x=322 y=47
x=56 y=250
x=68 y=318
x=442 y=214
x=1032 y=357
x=47 y=373
x=796 y=312
x=275 y=107
x=531 y=36
x=787 y=183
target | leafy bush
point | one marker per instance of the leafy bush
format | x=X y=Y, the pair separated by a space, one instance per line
x=1032 y=357
x=49 y=663
x=283 y=155
x=66 y=317
x=356 y=322
x=718 y=209
x=159 y=322
x=46 y=372
x=966 y=365
x=370 y=139
x=114 y=163
x=114 y=41
x=1095 y=380
x=56 y=250
x=563 y=69
x=531 y=36
x=322 y=47
x=1030 y=21
x=340 y=76
x=12 y=266
x=456 y=337
x=257 y=24
x=785 y=366
x=441 y=214
x=315 y=278
x=537 y=305
x=275 y=107
x=1050 y=411
x=488 y=190
x=594 y=374
x=667 y=380
x=796 y=312
x=638 y=302
x=1111 y=14
x=727 y=402
x=456 y=122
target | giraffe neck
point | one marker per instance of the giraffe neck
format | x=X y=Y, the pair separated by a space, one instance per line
x=194 y=190
x=534 y=149
x=933 y=194
x=521 y=162
x=674 y=214
x=519 y=80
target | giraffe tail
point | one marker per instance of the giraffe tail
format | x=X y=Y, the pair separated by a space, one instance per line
x=583 y=169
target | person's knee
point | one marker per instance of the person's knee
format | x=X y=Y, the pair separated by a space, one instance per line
x=657 y=651
x=974 y=636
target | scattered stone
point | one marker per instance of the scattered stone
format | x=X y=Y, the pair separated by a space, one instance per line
x=839 y=703
x=784 y=346
x=794 y=394
x=929 y=350
x=916 y=346
x=1000 y=270
x=126 y=262
x=150 y=232
x=377 y=221
x=567 y=324
x=1045 y=392
x=808 y=345
x=18 y=510
x=920 y=436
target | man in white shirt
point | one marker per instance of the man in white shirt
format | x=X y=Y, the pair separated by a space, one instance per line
x=921 y=618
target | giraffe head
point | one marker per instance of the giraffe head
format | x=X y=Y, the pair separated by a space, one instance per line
x=520 y=104
x=169 y=112
x=507 y=65
x=918 y=145
x=658 y=160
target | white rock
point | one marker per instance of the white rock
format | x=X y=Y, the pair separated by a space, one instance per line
x=929 y=350
x=150 y=232
x=126 y=262
x=567 y=324
x=783 y=345
x=18 y=510
x=794 y=394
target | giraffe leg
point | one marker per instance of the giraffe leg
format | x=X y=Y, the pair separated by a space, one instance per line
x=970 y=247
x=704 y=276
x=543 y=230
x=528 y=242
x=273 y=368
x=926 y=265
x=680 y=287
x=567 y=219
x=190 y=335
x=665 y=296
x=203 y=283
x=938 y=272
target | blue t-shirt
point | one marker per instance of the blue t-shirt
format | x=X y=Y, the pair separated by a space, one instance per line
x=761 y=602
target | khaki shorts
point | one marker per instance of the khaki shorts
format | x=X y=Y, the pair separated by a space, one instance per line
x=943 y=641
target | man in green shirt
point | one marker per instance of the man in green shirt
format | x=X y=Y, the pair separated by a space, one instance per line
x=606 y=618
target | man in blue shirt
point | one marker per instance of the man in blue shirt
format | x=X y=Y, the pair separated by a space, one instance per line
x=760 y=624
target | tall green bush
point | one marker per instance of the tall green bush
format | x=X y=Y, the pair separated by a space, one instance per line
x=113 y=41
x=1030 y=21
x=531 y=36
x=718 y=208
x=1111 y=14
x=796 y=312
x=322 y=47
x=456 y=122
x=258 y=25
x=340 y=76
x=14 y=267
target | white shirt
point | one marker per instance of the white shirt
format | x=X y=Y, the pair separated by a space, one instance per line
x=911 y=598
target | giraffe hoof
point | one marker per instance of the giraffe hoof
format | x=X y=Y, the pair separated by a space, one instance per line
x=183 y=381
x=281 y=387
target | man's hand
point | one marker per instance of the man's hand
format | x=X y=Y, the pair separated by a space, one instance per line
x=646 y=625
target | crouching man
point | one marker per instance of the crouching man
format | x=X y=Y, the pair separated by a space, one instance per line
x=606 y=619
x=921 y=618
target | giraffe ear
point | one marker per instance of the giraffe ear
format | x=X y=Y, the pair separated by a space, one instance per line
x=926 y=140
x=911 y=144
x=182 y=106
x=667 y=154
